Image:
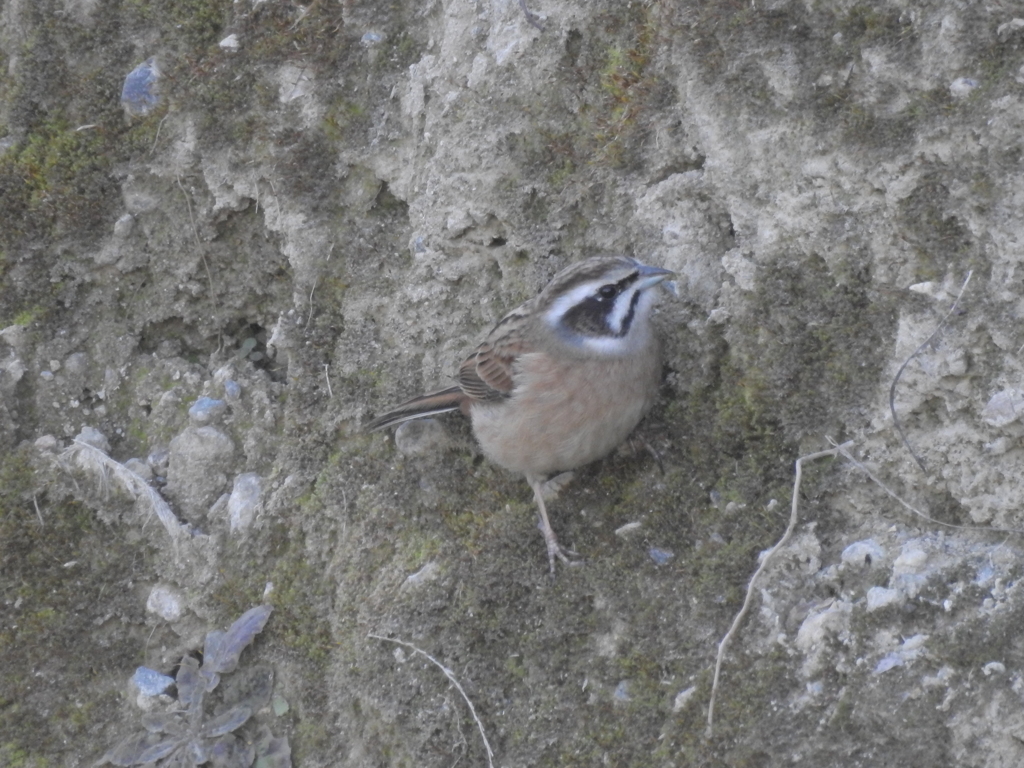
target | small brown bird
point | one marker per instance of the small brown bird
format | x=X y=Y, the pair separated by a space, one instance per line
x=562 y=380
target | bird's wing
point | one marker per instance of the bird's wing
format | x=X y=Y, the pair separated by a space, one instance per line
x=487 y=374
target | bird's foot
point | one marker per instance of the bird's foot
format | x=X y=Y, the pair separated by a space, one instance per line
x=557 y=550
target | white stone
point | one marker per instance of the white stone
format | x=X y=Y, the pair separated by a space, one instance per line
x=244 y=499
x=165 y=602
x=683 y=698
x=1004 y=407
x=863 y=553
x=882 y=597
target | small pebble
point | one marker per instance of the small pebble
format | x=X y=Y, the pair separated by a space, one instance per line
x=140 y=468
x=280 y=705
x=158 y=459
x=427 y=573
x=47 y=443
x=994 y=668
x=962 y=87
x=207 y=410
x=1003 y=408
x=245 y=497
x=628 y=528
x=165 y=603
x=887 y=663
x=683 y=698
x=123 y=226
x=881 y=597
x=139 y=95
x=150 y=682
x=660 y=556
x=863 y=553
x=95 y=438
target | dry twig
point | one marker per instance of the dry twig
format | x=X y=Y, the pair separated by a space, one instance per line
x=793 y=518
x=531 y=17
x=892 y=388
x=451 y=677
x=195 y=233
x=845 y=453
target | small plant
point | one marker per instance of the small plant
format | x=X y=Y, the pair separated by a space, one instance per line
x=189 y=737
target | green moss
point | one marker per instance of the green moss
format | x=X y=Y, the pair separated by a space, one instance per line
x=616 y=84
x=867 y=24
x=14 y=756
x=405 y=50
x=624 y=87
x=191 y=24
x=28 y=316
x=54 y=182
x=59 y=563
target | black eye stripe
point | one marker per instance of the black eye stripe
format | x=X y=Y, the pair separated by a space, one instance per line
x=593 y=315
x=617 y=288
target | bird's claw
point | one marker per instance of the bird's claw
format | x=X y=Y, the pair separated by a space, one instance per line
x=557 y=550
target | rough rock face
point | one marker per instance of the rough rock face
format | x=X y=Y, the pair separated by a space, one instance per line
x=216 y=267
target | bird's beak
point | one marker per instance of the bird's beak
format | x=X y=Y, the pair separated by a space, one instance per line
x=651 y=276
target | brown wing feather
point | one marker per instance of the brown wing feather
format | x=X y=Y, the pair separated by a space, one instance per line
x=487 y=373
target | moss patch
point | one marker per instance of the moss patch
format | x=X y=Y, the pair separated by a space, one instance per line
x=69 y=613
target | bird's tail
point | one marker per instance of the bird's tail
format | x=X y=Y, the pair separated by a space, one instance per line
x=419 y=407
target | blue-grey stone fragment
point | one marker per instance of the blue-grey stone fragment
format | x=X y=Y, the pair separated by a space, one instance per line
x=206 y=410
x=140 y=93
x=151 y=682
x=660 y=556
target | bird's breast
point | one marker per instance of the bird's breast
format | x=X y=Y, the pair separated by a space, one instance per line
x=566 y=412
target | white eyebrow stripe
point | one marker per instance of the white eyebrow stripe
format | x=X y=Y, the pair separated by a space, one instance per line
x=566 y=302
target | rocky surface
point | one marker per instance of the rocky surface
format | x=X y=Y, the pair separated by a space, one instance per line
x=235 y=231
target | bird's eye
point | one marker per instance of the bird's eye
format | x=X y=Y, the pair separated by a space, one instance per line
x=608 y=291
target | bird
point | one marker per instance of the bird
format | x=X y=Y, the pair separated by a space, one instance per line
x=560 y=381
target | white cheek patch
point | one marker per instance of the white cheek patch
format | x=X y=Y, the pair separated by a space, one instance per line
x=620 y=310
x=608 y=346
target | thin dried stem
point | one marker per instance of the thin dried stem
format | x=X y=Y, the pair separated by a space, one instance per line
x=749 y=599
x=195 y=233
x=892 y=388
x=451 y=677
x=531 y=17
x=906 y=505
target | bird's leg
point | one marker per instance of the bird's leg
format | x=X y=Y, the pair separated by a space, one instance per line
x=554 y=548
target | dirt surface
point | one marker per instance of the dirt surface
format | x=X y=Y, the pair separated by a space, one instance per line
x=307 y=213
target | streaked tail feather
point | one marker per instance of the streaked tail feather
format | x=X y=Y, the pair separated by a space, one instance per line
x=419 y=407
